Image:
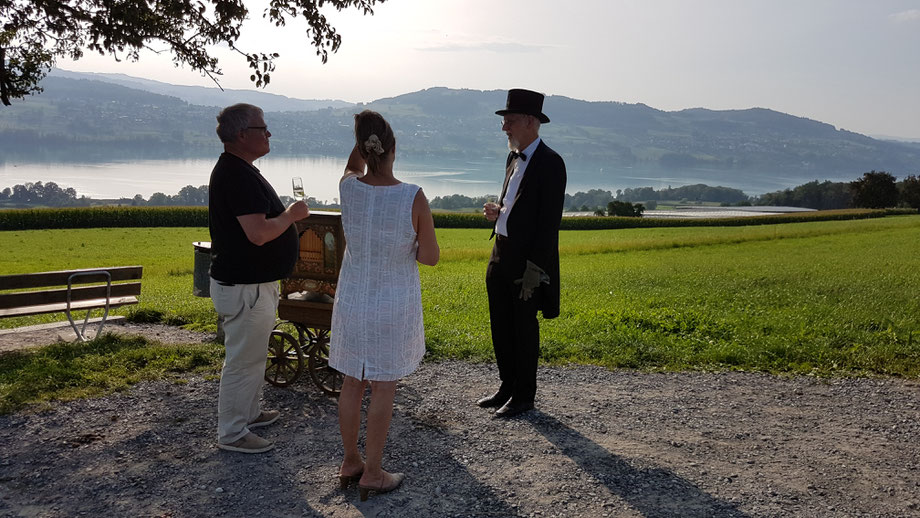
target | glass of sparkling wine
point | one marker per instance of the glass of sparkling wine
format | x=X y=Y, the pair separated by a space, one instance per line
x=491 y=207
x=297 y=183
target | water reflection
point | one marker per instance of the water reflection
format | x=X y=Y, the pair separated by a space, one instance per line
x=321 y=176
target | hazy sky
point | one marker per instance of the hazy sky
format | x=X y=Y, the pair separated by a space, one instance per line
x=851 y=63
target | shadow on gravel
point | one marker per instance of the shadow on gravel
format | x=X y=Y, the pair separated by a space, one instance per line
x=654 y=492
x=445 y=485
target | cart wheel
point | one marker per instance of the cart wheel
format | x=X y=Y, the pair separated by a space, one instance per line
x=325 y=377
x=297 y=330
x=285 y=359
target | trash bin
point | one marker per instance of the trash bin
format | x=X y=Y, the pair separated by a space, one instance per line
x=201 y=280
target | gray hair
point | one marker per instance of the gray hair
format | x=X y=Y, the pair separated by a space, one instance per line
x=234 y=119
x=536 y=122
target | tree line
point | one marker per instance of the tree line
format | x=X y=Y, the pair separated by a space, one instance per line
x=50 y=194
x=45 y=194
x=875 y=189
x=38 y=194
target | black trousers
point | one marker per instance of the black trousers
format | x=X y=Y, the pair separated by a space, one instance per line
x=515 y=330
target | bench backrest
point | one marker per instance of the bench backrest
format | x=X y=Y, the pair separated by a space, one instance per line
x=20 y=281
x=59 y=279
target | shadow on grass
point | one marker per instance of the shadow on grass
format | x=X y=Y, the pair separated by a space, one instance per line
x=66 y=371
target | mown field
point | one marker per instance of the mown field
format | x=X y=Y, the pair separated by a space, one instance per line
x=834 y=297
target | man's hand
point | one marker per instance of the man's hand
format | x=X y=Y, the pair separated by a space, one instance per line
x=299 y=210
x=490 y=210
x=533 y=277
x=260 y=229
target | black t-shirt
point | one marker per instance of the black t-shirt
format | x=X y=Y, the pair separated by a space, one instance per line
x=236 y=189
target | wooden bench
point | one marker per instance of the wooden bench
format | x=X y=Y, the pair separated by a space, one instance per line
x=106 y=289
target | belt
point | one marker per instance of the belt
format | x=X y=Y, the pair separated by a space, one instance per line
x=222 y=283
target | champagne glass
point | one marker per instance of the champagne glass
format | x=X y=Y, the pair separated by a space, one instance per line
x=491 y=208
x=297 y=183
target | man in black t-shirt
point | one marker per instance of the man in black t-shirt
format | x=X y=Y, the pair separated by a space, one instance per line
x=253 y=244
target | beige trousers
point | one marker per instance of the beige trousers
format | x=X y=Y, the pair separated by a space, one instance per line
x=248 y=311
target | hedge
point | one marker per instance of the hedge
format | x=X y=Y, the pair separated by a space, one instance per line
x=98 y=217
x=599 y=222
x=468 y=220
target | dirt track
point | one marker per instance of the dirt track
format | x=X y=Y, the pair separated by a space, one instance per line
x=599 y=444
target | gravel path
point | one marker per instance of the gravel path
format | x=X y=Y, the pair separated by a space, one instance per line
x=600 y=443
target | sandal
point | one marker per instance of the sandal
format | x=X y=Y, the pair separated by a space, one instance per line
x=397 y=481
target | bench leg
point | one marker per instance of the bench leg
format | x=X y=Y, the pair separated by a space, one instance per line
x=108 y=296
x=81 y=331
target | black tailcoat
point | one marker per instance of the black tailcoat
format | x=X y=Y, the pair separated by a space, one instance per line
x=533 y=225
x=533 y=235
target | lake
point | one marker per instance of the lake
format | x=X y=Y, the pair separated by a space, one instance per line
x=321 y=175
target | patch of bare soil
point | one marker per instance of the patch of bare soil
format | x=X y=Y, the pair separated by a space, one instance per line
x=37 y=336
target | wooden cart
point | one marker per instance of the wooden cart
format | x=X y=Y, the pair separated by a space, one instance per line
x=301 y=337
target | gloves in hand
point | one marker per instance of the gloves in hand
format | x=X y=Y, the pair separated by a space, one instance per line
x=533 y=277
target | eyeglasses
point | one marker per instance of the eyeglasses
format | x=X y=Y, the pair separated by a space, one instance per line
x=264 y=129
x=514 y=119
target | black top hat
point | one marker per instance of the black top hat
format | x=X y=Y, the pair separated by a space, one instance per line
x=526 y=102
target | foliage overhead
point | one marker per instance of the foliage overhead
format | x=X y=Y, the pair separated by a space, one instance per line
x=33 y=34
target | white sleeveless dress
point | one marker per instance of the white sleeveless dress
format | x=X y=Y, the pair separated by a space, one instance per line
x=377 y=329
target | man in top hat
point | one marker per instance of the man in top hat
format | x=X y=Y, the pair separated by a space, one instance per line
x=523 y=272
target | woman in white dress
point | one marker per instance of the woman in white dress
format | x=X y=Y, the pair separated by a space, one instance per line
x=377 y=332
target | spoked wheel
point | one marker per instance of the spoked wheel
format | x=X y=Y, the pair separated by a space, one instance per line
x=297 y=330
x=285 y=359
x=325 y=377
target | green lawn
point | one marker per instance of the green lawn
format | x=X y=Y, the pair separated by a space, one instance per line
x=836 y=297
x=805 y=297
x=166 y=254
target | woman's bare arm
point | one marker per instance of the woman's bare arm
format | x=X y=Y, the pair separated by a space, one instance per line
x=428 y=251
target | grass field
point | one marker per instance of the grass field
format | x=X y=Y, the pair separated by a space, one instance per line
x=838 y=297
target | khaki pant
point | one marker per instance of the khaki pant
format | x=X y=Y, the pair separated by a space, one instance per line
x=248 y=311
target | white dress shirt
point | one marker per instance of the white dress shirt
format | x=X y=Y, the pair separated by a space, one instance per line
x=520 y=166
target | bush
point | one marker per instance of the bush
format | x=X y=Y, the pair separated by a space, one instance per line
x=457 y=220
x=875 y=190
x=626 y=209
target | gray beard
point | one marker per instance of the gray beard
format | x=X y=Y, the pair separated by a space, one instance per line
x=513 y=144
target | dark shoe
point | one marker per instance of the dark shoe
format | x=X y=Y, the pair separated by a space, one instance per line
x=494 y=401
x=511 y=409
x=397 y=481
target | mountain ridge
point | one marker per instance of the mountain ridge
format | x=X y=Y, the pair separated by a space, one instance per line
x=756 y=149
x=207 y=96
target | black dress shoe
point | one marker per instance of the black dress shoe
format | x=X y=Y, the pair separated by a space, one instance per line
x=511 y=409
x=494 y=401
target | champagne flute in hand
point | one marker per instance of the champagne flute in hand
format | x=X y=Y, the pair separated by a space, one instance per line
x=298 y=188
x=490 y=209
x=297 y=184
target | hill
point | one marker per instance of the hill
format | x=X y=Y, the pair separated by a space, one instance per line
x=207 y=96
x=90 y=119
